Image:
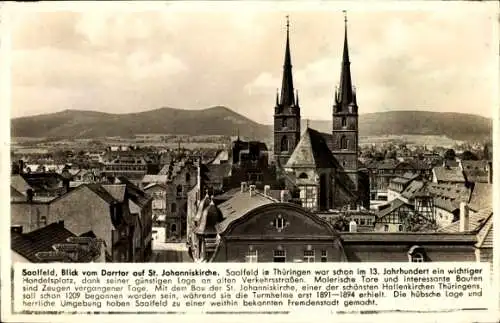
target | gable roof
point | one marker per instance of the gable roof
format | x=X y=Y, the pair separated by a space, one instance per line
x=448 y=174
x=19 y=184
x=136 y=195
x=312 y=151
x=481 y=196
x=117 y=191
x=392 y=206
x=101 y=192
x=41 y=240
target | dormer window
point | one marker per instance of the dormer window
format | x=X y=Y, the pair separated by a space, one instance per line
x=279 y=222
x=416 y=254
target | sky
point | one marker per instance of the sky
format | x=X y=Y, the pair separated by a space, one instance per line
x=438 y=57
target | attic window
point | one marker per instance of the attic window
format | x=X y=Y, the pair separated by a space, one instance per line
x=303 y=176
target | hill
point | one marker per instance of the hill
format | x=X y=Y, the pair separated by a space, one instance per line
x=456 y=126
x=223 y=121
x=91 y=124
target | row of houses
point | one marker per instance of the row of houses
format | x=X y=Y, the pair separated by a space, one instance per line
x=249 y=225
x=119 y=213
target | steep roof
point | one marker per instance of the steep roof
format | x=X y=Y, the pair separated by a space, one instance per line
x=19 y=184
x=481 y=196
x=393 y=206
x=211 y=215
x=476 y=222
x=117 y=191
x=449 y=174
x=101 y=192
x=312 y=152
x=41 y=240
x=217 y=172
x=240 y=204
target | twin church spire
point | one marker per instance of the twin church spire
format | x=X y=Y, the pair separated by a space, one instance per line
x=344 y=95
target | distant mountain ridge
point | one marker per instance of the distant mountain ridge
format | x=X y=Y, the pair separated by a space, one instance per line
x=223 y=121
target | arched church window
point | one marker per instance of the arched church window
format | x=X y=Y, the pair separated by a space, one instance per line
x=284 y=144
x=344 y=122
x=303 y=176
x=343 y=142
x=283 y=123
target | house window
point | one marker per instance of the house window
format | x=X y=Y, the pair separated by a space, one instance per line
x=251 y=256
x=309 y=196
x=400 y=228
x=179 y=190
x=386 y=228
x=188 y=178
x=308 y=255
x=173 y=208
x=417 y=257
x=279 y=255
x=279 y=222
x=43 y=220
x=344 y=122
x=173 y=228
x=324 y=256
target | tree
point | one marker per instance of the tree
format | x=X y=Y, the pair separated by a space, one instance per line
x=450 y=154
x=468 y=155
x=341 y=223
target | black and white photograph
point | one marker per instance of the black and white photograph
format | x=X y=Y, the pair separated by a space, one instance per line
x=252 y=133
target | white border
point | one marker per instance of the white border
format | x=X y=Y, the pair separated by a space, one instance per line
x=9 y=10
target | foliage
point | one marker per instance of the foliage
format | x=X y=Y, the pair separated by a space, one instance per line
x=450 y=154
x=468 y=155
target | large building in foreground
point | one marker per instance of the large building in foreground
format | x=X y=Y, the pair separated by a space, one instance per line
x=323 y=167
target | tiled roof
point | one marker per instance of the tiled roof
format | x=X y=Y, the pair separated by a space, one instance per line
x=102 y=192
x=420 y=164
x=446 y=204
x=41 y=240
x=117 y=191
x=393 y=206
x=155 y=179
x=476 y=222
x=135 y=194
x=412 y=189
x=387 y=164
x=240 y=204
x=312 y=151
x=481 y=196
x=449 y=174
x=19 y=184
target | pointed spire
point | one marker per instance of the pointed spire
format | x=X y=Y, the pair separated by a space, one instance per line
x=277 y=97
x=297 y=98
x=345 y=91
x=287 y=97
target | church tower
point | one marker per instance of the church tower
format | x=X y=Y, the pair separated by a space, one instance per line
x=345 y=120
x=286 y=111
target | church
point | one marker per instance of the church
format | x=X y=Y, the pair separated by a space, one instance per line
x=323 y=167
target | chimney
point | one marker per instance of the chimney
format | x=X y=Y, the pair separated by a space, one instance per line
x=464 y=217
x=29 y=195
x=490 y=173
x=244 y=186
x=252 y=190
x=267 y=190
x=353 y=226
x=284 y=196
x=21 y=166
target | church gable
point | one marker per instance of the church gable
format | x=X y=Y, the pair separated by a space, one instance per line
x=311 y=152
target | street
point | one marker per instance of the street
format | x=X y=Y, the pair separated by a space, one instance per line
x=170 y=252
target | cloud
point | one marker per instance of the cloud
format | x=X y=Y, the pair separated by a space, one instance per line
x=113 y=61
